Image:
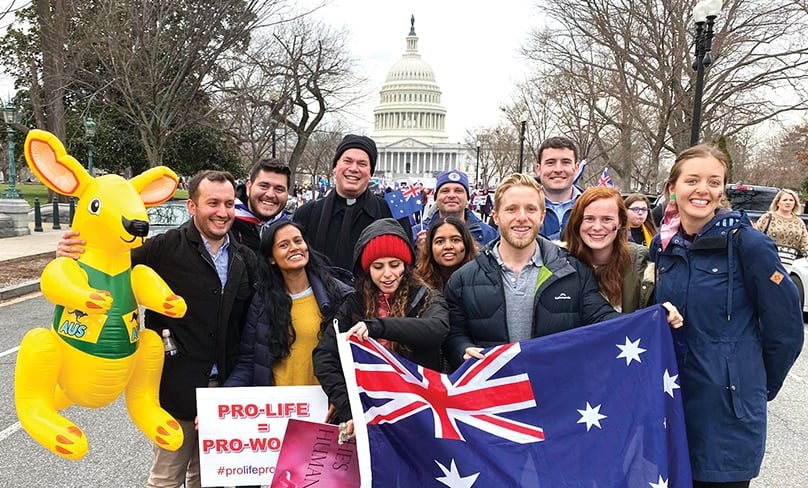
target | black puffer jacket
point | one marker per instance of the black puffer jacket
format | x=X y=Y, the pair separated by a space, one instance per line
x=422 y=331
x=567 y=297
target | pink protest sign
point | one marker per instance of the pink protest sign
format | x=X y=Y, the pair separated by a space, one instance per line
x=311 y=454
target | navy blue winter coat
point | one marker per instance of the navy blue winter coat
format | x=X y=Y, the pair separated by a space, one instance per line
x=742 y=333
x=254 y=366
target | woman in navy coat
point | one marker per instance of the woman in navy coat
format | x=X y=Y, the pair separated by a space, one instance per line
x=742 y=319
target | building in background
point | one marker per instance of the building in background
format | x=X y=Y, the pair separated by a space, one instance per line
x=410 y=122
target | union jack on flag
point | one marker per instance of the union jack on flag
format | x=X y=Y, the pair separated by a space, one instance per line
x=474 y=398
x=605 y=179
x=412 y=191
x=595 y=406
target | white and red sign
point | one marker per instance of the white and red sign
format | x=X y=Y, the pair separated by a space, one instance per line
x=241 y=430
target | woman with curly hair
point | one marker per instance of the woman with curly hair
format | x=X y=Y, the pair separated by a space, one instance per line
x=596 y=235
x=296 y=298
x=449 y=245
x=391 y=304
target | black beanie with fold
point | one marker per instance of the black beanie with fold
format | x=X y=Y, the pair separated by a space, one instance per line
x=353 y=141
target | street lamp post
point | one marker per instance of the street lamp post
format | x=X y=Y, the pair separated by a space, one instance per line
x=522 y=127
x=90 y=128
x=704 y=14
x=10 y=117
x=477 y=168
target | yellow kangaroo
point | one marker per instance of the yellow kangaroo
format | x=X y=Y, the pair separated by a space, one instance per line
x=95 y=349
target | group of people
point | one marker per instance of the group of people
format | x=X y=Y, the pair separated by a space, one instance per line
x=263 y=291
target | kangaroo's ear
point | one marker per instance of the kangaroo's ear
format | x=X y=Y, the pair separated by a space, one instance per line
x=50 y=163
x=155 y=185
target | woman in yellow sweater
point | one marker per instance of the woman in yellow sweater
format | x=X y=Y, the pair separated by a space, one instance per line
x=296 y=297
x=783 y=224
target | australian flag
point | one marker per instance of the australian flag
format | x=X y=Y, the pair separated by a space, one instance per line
x=402 y=205
x=605 y=179
x=597 y=406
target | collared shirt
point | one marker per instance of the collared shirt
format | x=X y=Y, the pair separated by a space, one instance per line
x=220 y=263
x=520 y=290
x=220 y=258
x=560 y=208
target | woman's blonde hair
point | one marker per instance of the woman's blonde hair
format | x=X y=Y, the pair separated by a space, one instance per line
x=517 y=179
x=776 y=202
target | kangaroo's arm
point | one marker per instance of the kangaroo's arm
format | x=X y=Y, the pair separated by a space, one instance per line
x=154 y=294
x=64 y=282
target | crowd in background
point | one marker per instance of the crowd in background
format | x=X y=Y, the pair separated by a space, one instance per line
x=442 y=289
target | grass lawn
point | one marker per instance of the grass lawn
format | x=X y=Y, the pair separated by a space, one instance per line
x=30 y=191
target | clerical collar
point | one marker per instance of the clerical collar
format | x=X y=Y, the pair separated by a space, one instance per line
x=350 y=201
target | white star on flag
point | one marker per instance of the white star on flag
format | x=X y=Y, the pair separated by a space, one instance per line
x=591 y=416
x=453 y=478
x=670 y=383
x=630 y=350
x=659 y=484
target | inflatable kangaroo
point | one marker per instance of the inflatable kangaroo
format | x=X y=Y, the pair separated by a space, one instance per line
x=95 y=349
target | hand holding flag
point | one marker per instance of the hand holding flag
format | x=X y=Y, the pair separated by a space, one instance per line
x=527 y=414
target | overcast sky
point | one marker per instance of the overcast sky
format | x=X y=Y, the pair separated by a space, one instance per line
x=471 y=46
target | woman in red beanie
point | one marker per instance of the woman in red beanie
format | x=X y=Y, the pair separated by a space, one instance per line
x=391 y=304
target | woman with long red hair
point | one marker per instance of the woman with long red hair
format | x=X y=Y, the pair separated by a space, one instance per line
x=596 y=234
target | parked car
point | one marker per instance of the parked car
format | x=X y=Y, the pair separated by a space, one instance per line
x=799 y=275
x=753 y=199
x=168 y=215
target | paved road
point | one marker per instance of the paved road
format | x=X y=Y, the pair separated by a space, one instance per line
x=120 y=455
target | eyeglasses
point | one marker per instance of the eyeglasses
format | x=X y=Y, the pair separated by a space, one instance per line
x=639 y=210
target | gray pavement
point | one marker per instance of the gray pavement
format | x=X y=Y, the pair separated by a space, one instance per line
x=28 y=245
x=32 y=244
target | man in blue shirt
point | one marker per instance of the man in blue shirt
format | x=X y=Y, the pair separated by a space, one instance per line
x=556 y=168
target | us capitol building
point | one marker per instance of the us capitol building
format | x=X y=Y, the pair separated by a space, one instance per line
x=410 y=123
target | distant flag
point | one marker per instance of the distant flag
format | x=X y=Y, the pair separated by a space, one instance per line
x=401 y=205
x=412 y=191
x=580 y=171
x=605 y=179
x=528 y=414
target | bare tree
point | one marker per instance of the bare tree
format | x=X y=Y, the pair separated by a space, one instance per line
x=158 y=61
x=294 y=77
x=630 y=62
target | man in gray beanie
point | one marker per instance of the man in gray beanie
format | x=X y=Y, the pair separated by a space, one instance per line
x=332 y=224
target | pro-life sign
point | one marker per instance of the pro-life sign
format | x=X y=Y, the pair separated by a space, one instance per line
x=241 y=430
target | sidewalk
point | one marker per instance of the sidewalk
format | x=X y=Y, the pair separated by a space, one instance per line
x=24 y=246
x=32 y=244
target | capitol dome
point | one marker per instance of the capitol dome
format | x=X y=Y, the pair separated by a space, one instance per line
x=409 y=100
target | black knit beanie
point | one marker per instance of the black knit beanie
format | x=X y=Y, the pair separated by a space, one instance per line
x=353 y=141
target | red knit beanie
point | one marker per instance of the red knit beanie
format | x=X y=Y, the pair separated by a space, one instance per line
x=386 y=246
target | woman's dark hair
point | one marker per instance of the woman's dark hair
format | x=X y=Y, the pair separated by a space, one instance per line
x=649 y=219
x=428 y=268
x=272 y=287
x=369 y=293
